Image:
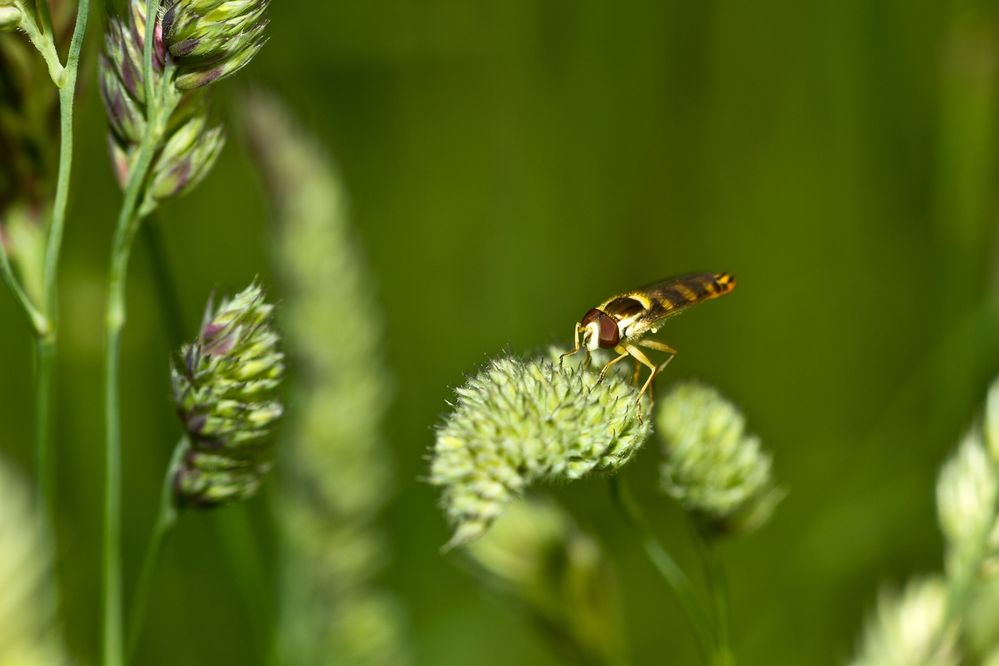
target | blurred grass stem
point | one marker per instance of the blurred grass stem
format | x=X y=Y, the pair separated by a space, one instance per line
x=166 y=289
x=159 y=109
x=39 y=322
x=46 y=341
x=43 y=316
x=714 y=575
x=665 y=564
x=166 y=518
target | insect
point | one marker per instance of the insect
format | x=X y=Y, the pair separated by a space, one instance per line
x=622 y=322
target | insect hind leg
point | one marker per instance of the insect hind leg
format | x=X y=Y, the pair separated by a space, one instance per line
x=640 y=357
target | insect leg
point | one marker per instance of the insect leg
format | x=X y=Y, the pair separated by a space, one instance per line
x=575 y=347
x=658 y=346
x=603 y=372
x=637 y=354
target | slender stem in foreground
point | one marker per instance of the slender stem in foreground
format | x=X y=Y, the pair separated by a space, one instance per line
x=159 y=106
x=46 y=344
x=115 y=322
x=127 y=223
x=665 y=564
x=166 y=518
x=159 y=110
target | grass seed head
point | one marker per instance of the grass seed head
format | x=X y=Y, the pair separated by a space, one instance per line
x=713 y=467
x=517 y=422
x=225 y=390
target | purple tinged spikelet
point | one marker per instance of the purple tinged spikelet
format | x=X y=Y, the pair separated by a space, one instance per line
x=225 y=392
x=212 y=39
x=188 y=149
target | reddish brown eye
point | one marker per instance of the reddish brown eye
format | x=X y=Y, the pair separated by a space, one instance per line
x=610 y=335
x=590 y=316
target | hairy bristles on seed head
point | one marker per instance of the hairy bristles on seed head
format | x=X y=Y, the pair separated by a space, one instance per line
x=517 y=422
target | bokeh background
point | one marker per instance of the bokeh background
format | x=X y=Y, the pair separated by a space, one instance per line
x=512 y=164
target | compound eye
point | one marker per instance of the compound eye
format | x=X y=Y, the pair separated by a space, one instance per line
x=590 y=316
x=610 y=335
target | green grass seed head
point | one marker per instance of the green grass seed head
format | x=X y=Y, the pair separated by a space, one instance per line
x=517 y=422
x=713 y=467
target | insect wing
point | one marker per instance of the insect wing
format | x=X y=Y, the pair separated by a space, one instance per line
x=675 y=294
x=669 y=297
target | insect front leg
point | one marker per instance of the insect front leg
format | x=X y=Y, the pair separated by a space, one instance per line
x=603 y=371
x=575 y=347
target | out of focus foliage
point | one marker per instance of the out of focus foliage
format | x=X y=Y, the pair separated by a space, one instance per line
x=510 y=165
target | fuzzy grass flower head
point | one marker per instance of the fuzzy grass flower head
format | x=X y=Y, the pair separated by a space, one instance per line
x=225 y=392
x=517 y=422
x=212 y=39
x=908 y=629
x=27 y=611
x=967 y=491
x=713 y=467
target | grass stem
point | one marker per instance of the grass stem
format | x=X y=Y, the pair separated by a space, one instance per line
x=159 y=109
x=39 y=322
x=714 y=575
x=166 y=519
x=46 y=345
x=665 y=565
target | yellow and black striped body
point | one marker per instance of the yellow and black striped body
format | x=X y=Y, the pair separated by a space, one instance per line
x=622 y=323
x=640 y=311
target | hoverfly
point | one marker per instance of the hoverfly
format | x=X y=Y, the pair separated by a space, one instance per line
x=622 y=322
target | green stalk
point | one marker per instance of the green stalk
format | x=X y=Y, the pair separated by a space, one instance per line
x=46 y=343
x=158 y=110
x=166 y=519
x=665 y=565
x=39 y=322
x=115 y=322
x=45 y=45
x=714 y=576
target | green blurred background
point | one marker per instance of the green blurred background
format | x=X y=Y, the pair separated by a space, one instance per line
x=512 y=164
